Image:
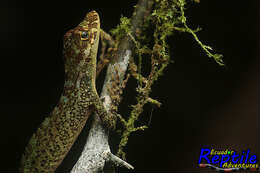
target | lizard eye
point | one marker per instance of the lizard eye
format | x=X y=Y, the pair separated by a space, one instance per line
x=84 y=35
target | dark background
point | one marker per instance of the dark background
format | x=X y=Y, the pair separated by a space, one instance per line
x=204 y=105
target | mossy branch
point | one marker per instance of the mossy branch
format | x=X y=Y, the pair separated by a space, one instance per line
x=144 y=35
x=207 y=49
x=131 y=39
x=166 y=17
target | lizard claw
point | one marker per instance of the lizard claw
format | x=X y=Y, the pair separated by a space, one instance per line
x=110 y=121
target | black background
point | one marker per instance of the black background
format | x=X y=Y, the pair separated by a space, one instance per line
x=204 y=105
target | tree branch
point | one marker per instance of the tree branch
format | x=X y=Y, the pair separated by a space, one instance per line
x=97 y=151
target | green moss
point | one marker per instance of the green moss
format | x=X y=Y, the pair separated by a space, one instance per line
x=122 y=29
x=167 y=17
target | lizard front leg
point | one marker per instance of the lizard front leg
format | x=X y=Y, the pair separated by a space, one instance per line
x=107 y=118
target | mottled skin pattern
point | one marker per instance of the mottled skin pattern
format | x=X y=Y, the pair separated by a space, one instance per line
x=53 y=139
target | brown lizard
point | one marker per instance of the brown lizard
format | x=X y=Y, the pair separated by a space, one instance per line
x=53 y=139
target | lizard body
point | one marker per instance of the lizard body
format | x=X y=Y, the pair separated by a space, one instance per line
x=53 y=139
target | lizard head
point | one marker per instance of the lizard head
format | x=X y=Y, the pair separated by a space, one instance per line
x=81 y=43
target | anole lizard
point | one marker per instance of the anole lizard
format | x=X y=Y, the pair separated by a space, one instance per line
x=53 y=139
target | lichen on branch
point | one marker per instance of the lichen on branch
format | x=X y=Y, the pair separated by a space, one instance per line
x=150 y=42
